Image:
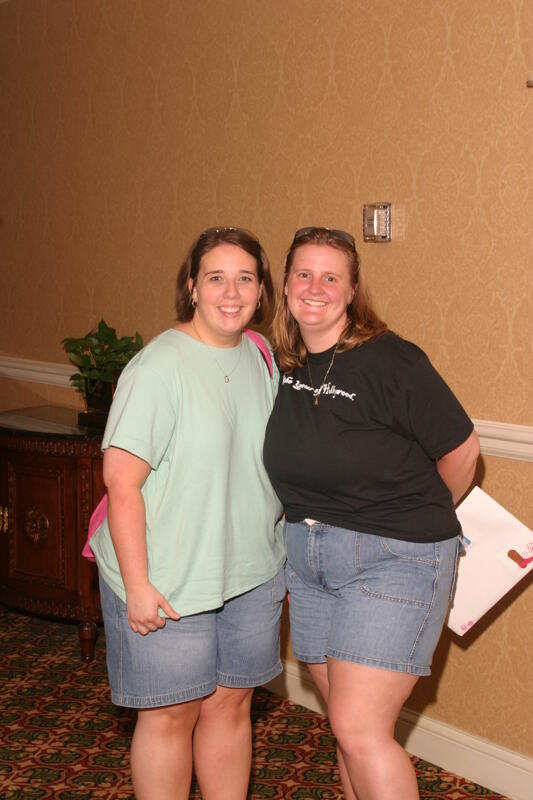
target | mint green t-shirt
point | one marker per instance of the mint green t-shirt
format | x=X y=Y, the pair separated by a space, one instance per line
x=213 y=527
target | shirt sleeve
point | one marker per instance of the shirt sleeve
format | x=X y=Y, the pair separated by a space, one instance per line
x=430 y=411
x=142 y=418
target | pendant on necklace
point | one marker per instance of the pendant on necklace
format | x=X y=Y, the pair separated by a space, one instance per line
x=324 y=379
x=226 y=379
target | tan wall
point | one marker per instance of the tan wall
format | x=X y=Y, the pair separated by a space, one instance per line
x=481 y=682
x=126 y=127
x=21 y=394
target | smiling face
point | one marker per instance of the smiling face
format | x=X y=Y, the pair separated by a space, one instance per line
x=226 y=292
x=318 y=290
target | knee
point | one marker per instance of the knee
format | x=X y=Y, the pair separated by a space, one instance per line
x=354 y=739
x=231 y=705
x=174 y=720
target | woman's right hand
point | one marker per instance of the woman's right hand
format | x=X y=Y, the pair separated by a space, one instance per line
x=142 y=606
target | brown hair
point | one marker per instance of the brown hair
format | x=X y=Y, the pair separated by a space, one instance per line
x=207 y=241
x=363 y=322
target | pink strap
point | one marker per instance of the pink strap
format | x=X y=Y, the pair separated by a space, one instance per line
x=260 y=342
x=100 y=512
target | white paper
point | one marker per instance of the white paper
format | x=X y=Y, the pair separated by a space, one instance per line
x=486 y=572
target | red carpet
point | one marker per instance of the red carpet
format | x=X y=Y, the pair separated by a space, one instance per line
x=61 y=739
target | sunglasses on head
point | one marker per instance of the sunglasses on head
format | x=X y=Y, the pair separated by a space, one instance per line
x=342 y=235
x=221 y=229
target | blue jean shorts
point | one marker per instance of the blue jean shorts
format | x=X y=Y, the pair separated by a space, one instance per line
x=367 y=599
x=236 y=645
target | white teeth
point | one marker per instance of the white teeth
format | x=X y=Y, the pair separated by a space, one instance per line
x=317 y=303
x=229 y=309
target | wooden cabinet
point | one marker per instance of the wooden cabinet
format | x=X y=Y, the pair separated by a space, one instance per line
x=50 y=480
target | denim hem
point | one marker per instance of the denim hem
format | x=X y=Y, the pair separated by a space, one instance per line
x=318 y=659
x=169 y=699
x=246 y=682
x=394 y=666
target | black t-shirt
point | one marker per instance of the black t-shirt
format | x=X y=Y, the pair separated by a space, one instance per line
x=364 y=457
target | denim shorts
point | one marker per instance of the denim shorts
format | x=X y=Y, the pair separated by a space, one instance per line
x=365 y=598
x=236 y=645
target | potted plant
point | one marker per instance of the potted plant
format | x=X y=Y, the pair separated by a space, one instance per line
x=100 y=356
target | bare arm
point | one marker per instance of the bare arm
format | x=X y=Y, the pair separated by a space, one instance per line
x=457 y=467
x=124 y=475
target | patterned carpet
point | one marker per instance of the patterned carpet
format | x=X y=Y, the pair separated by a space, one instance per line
x=61 y=739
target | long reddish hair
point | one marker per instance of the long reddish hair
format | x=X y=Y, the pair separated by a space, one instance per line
x=363 y=323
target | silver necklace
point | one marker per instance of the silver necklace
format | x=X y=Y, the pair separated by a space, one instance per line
x=325 y=376
x=232 y=370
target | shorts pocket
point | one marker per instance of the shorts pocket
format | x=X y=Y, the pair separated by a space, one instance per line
x=459 y=548
x=279 y=587
x=398 y=572
x=120 y=606
x=113 y=605
x=410 y=551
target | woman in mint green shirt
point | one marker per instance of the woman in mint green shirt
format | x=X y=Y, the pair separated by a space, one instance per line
x=191 y=554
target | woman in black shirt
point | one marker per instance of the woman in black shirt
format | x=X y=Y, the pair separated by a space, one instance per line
x=368 y=450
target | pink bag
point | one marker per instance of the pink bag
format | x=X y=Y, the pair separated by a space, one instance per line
x=100 y=512
x=97 y=517
x=260 y=342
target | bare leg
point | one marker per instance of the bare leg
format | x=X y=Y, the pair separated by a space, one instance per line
x=223 y=744
x=364 y=704
x=161 y=751
x=319 y=673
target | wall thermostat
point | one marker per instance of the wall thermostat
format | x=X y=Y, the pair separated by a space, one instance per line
x=376 y=222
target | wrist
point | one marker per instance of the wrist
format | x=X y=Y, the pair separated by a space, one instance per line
x=135 y=583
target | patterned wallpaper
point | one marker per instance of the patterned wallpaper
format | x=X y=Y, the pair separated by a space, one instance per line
x=479 y=681
x=129 y=125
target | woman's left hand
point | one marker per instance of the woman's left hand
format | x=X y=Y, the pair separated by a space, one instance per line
x=143 y=603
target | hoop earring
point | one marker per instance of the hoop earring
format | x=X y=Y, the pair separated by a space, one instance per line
x=258 y=306
x=193 y=302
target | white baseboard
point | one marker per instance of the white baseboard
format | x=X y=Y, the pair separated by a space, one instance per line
x=505 y=440
x=476 y=759
x=457 y=751
x=48 y=372
x=497 y=438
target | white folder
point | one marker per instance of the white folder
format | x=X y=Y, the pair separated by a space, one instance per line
x=499 y=553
